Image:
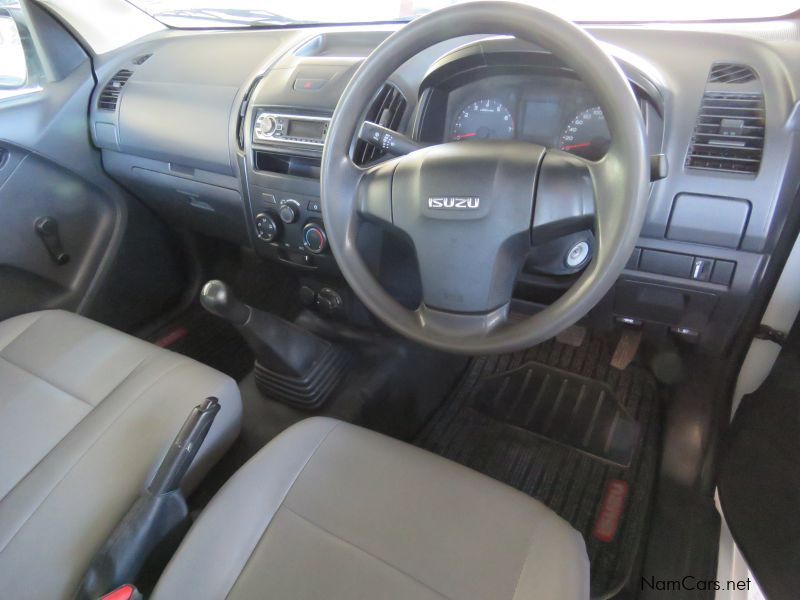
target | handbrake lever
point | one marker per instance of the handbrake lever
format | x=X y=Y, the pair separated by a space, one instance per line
x=184 y=448
x=156 y=517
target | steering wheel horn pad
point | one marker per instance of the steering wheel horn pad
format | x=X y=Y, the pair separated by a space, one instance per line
x=467 y=212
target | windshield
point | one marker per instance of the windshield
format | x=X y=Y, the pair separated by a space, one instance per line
x=244 y=13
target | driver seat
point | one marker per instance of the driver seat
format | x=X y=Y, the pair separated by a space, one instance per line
x=330 y=510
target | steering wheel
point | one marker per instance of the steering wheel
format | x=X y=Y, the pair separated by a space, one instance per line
x=474 y=211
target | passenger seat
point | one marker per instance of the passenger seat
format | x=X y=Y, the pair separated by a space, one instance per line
x=86 y=414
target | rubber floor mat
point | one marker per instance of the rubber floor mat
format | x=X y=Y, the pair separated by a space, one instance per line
x=570 y=409
x=492 y=422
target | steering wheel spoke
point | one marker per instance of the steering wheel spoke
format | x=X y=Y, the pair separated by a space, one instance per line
x=565 y=197
x=477 y=324
x=374 y=192
x=564 y=219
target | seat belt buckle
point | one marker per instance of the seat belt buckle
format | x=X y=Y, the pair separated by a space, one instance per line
x=124 y=592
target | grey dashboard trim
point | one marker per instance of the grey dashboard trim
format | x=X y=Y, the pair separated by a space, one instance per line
x=672 y=60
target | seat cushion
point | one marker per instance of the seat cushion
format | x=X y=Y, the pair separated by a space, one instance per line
x=86 y=414
x=330 y=510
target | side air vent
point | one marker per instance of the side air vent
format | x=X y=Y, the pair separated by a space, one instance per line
x=387 y=109
x=140 y=60
x=729 y=133
x=110 y=95
x=731 y=73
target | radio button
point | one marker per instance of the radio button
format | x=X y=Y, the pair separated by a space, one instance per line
x=265 y=126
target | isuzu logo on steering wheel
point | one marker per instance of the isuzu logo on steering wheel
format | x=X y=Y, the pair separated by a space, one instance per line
x=455 y=202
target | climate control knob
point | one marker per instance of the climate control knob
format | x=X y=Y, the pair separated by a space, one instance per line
x=266 y=227
x=314 y=238
x=290 y=211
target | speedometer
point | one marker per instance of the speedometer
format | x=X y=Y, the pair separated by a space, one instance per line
x=486 y=119
x=587 y=134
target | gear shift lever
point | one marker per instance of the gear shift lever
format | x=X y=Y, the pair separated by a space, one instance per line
x=292 y=364
x=217 y=298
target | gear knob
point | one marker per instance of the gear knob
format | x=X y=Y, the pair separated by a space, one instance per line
x=218 y=299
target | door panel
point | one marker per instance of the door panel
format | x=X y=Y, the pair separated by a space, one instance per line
x=33 y=188
x=47 y=171
x=124 y=267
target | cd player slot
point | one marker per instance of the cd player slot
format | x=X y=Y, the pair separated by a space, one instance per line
x=287 y=164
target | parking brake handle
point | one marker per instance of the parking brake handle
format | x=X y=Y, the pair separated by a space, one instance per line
x=184 y=448
x=157 y=519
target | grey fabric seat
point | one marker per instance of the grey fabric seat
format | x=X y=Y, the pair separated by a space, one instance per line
x=86 y=414
x=329 y=510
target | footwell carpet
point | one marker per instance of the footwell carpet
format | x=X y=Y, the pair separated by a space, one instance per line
x=560 y=424
x=209 y=340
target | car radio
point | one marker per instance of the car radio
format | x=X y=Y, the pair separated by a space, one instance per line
x=290 y=129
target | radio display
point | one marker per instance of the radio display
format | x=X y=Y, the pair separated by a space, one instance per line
x=312 y=130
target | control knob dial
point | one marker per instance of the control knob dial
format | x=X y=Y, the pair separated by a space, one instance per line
x=314 y=238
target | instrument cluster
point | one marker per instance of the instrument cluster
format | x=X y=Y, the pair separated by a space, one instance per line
x=550 y=110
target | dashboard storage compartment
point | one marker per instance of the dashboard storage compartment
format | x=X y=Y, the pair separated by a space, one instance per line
x=287 y=164
x=708 y=220
x=203 y=207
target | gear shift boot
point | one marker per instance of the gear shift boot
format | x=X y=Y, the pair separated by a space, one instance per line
x=292 y=364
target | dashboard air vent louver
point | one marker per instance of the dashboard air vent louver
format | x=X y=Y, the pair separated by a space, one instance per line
x=731 y=73
x=387 y=109
x=729 y=133
x=110 y=95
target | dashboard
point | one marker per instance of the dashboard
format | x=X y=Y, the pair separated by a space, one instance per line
x=194 y=133
x=551 y=111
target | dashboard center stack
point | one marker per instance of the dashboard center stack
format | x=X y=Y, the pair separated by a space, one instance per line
x=283 y=185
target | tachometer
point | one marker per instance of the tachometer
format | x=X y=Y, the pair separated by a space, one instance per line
x=483 y=120
x=587 y=134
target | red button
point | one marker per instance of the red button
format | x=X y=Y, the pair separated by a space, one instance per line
x=124 y=592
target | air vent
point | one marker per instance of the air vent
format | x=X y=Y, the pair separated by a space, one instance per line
x=731 y=73
x=110 y=95
x=140 y=60
x=387 y=109
x=729 y=133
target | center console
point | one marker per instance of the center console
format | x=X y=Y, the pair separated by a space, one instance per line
x=283 y=164
x=282 y=131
